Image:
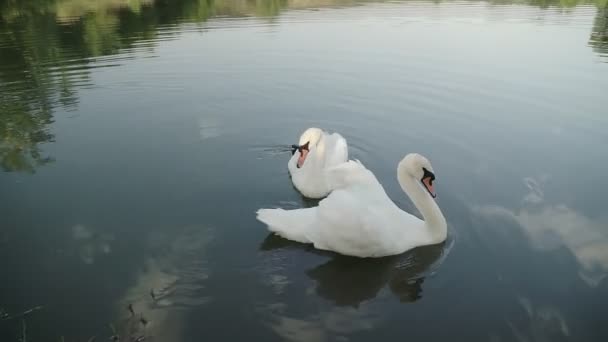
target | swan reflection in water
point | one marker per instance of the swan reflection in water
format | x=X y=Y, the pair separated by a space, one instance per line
x=349 y=281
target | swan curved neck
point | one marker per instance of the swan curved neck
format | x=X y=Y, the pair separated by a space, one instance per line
x=317 y=154
x=434 y=221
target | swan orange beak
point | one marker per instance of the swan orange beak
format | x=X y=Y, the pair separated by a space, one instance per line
x=303 y=153
x=428 y=184
x=302 y=158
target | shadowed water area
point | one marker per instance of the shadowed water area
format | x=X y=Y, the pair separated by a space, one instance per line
x=138 y=138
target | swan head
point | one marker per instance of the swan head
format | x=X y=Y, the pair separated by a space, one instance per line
x=308 y=140
x=417 y=166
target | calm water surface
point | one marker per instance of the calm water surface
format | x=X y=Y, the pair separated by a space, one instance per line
x=137 y=139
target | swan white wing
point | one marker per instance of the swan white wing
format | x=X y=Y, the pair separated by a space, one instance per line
x=350 y=222
x=355 y=218
x=336 y=149
x=359 y=219
x=350 y=173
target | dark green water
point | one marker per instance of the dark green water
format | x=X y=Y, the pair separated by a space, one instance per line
x=138 y=138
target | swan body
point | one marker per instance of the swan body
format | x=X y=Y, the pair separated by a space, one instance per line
x=359 y=219
x=316 y=152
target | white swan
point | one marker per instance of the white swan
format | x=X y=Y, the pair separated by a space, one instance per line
x=359 y=219
x=316 y=152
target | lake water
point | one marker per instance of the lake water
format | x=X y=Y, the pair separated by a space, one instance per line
x=138 y=138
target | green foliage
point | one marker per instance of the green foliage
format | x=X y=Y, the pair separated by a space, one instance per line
x=22 y=129
x=599 y=35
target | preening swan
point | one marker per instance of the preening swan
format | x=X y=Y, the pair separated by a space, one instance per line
x=359 y=219
x=316 y=151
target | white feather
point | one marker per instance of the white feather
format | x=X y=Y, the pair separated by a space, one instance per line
x=359 y=219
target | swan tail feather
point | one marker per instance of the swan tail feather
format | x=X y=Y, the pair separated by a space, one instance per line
x=291 y=224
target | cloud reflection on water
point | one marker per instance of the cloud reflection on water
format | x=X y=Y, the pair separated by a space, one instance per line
x=549 y=227
x=174 y=274
x=91 y=244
